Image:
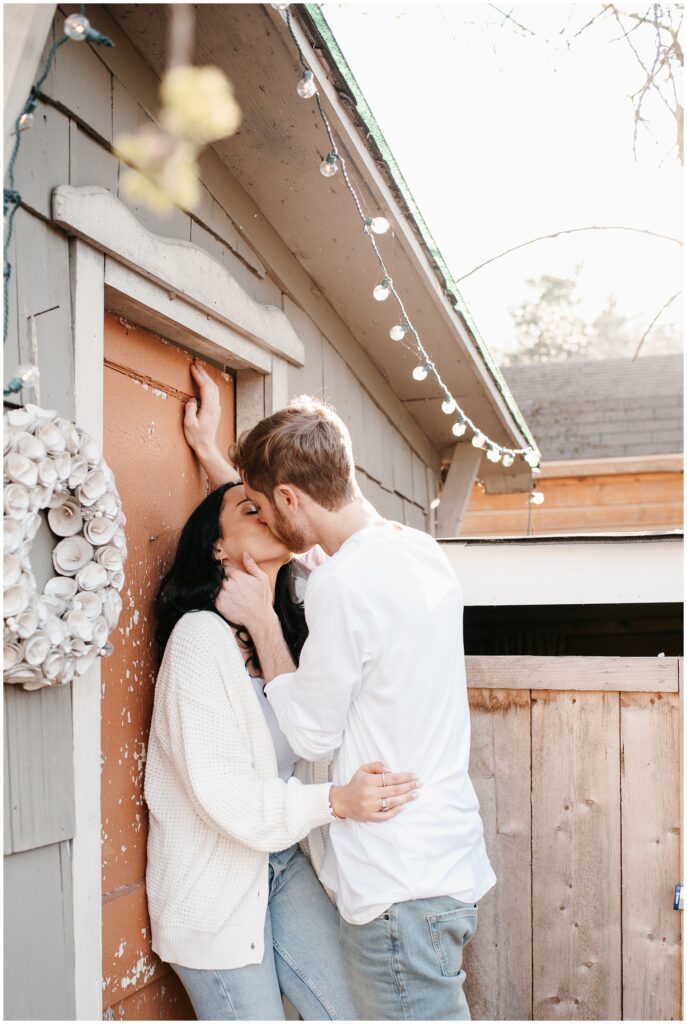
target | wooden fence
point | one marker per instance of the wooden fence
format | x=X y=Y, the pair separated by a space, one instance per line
x=576 y=763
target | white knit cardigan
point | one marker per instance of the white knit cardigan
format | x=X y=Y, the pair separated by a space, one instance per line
x=217 y=805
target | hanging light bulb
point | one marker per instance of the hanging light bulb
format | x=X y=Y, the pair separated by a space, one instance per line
x=380 y=225
x=493 y=454
x=459 y=428
x=508 y=459
x=306 y=87
x=26 y=377
x=434 y=503
x=25 y=121
x=382 y=291
x=329 y=165
x=479 y=439
x=531 y=458
x=536 y=497
x=76 y=27
x=28 y=374
x=421 y=372
x=448 y=405
x=398 y=332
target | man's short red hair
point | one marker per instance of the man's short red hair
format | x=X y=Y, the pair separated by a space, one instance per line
x=305 y=444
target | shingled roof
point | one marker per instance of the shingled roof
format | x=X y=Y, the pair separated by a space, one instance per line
x=585 y=409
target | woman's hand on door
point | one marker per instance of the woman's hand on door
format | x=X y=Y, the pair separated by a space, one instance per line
x=201 y=422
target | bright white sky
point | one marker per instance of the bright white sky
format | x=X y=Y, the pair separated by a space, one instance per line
x=503 y=136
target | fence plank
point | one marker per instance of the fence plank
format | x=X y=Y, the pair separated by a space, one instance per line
x=498 y=961
x=650 y=790
x=526 y=672
x=576 y=856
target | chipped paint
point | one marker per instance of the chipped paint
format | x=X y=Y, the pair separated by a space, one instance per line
x=153 y=391
x=142 y=972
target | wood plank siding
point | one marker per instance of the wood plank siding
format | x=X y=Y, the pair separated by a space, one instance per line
x=583 y=502
x=579 y=790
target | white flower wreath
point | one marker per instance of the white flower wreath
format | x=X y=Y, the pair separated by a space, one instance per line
x=52 y=464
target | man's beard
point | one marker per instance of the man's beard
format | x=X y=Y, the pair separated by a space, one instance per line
x=295 y=539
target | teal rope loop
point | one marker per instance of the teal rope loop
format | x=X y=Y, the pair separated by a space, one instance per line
x=10 y=196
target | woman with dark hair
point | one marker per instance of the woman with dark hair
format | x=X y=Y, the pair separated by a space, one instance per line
x=235 y=905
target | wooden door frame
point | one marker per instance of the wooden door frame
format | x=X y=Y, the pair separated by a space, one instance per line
x=177 y=290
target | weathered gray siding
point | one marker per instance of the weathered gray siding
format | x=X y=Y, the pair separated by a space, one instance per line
x=39 y=940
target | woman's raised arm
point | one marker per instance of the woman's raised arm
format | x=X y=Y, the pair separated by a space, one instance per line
x=201 y=422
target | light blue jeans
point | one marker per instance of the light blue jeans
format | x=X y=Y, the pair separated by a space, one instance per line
x=302 y=957
x=407 y=964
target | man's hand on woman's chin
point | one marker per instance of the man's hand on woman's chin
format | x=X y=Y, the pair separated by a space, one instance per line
x=246 y=597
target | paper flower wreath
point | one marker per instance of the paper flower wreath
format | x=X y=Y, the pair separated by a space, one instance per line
x=52 y=465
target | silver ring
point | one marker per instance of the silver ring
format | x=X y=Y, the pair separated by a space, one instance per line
x=383 y=782
x=384 y=807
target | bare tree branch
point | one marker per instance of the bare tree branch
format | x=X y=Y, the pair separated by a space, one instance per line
x=599 y=14
x=567 y=231
x=181 y=31
x=649 y=328
x=663 y=54
x=507 y=15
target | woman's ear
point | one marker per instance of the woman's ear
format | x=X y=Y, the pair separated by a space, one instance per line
x=217 y=552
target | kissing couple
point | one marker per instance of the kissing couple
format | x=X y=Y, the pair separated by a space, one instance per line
x=313 y=828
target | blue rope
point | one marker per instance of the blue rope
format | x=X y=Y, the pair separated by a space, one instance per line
x=11 y=198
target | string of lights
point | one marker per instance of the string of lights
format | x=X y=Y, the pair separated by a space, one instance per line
x=77 y=28
x=333 y=161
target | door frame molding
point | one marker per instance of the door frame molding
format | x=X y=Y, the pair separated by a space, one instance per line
x=169 y=292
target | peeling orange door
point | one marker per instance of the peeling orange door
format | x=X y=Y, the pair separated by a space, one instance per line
x=147 y=381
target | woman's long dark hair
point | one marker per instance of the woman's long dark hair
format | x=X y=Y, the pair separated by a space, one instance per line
x=195 y=578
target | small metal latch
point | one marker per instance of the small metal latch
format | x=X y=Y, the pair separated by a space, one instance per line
x=679 y=901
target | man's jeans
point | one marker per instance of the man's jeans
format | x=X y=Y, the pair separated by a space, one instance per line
x=406 y=964
x=302 y=957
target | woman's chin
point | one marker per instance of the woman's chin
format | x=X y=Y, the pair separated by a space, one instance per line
x=279 y=553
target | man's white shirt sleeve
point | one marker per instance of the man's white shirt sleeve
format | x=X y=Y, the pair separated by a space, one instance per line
x=311 y=704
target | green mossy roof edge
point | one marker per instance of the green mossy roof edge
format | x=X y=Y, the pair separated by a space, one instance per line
x=323 y=28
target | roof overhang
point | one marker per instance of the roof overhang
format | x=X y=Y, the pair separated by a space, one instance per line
x=617 y=568
x=275 y=157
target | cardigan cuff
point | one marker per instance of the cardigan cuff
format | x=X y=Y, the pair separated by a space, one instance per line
x=317 y=807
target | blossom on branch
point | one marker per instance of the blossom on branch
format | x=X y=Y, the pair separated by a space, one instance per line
x=198 y=107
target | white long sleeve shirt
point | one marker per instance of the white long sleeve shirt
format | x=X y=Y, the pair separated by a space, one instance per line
x=382 y=677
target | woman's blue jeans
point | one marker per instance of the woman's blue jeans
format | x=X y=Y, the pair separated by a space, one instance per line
x=302 y=957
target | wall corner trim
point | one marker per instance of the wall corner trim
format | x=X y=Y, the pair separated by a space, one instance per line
x=98 y=217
